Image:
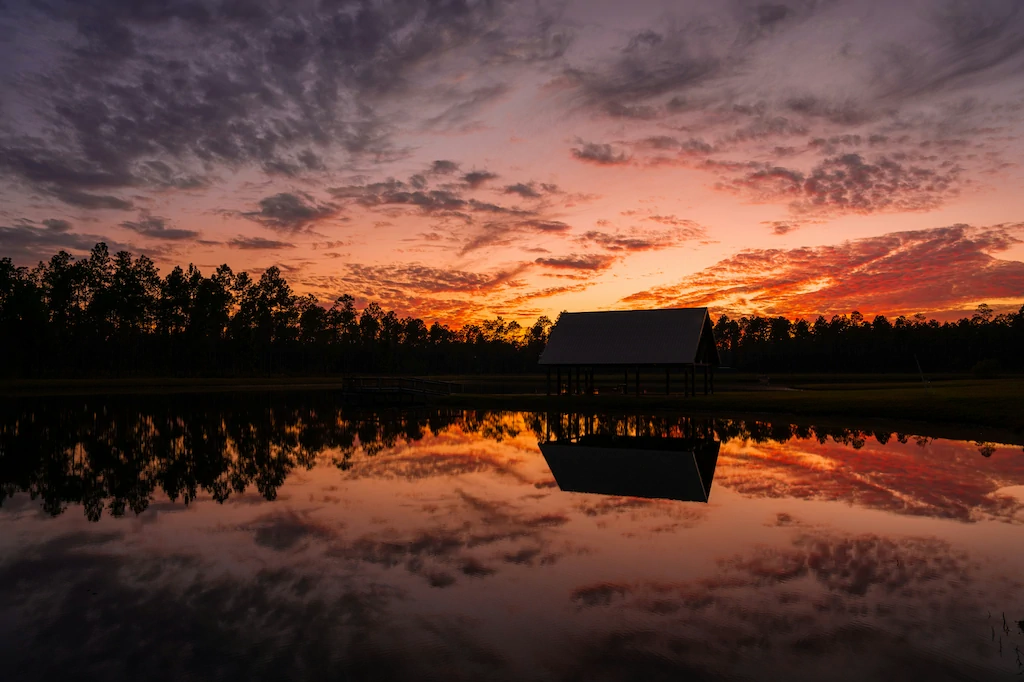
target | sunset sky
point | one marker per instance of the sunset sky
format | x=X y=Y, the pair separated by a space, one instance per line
x=462 y=159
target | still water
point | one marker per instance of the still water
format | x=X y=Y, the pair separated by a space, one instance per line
x=278 y=536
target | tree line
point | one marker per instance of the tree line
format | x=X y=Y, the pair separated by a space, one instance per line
x=984 y=343
x=114 y=315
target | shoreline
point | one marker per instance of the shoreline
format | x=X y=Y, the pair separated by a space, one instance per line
x=990 y=410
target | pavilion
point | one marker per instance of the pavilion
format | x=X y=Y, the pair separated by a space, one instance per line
x=680 y=339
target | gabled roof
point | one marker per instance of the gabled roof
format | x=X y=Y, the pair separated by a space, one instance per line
x=630 y=337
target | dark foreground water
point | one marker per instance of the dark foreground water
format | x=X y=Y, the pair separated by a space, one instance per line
x=245 y=537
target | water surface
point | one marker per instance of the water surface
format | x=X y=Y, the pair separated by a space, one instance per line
x=288 y=537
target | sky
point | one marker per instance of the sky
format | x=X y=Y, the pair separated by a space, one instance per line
x=461 y=159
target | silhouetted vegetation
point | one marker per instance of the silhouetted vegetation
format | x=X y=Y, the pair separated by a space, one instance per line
x=984 y=344
x=116 y=316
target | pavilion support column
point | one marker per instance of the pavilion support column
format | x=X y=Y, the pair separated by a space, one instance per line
x=668 y=381
x=638 y=381
x=705 y=379
x=577 y=379
x=547 y=383
x=559 y=379
x=625 y=380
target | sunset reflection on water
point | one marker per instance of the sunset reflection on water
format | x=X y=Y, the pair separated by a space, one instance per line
x=439 y=545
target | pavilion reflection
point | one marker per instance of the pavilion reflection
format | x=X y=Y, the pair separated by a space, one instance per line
x=623 y=459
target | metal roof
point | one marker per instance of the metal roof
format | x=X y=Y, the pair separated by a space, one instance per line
x=629 y=337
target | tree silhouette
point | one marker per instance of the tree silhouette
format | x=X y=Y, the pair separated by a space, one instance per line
x=115 y=315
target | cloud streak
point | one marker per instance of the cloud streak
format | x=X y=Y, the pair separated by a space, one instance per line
x=849 y=183
x=600 y=154
x=583 y=263
x=28 y=242
x=291 y=213
x=156 y=227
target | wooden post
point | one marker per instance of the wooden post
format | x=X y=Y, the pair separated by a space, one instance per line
x=577 y=380
x=638 y=381
x=547 y=383
x=559 y=380
x=625 y=380
x=668 y=381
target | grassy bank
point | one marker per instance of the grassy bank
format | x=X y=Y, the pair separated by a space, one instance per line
x=990 y=409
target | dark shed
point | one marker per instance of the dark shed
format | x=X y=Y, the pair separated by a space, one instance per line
x=673 y=338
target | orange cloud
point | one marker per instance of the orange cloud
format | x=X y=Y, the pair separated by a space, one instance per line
x=897 y=273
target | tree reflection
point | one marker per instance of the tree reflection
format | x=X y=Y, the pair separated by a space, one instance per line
x=560 y=426
x=113 y=453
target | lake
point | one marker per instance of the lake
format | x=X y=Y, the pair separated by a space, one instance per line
x=246 y=536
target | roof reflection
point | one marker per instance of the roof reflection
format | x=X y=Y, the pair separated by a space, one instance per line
x=635 y=466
